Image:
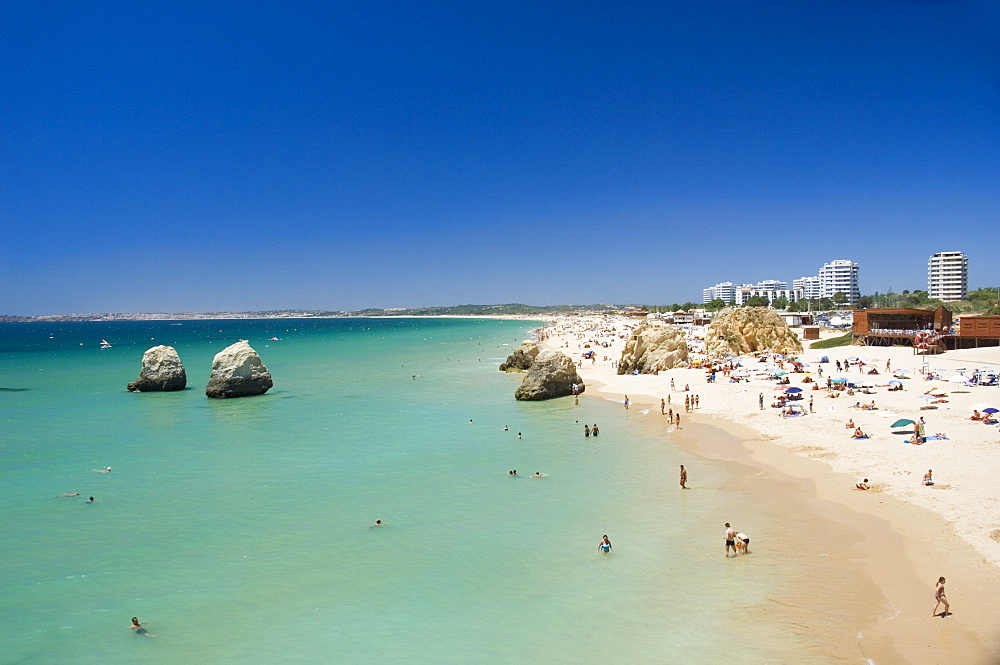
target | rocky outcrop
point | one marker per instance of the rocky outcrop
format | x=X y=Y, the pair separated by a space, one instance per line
x=551 y=375
x=238 y=371
x=522 y=358
x=739 y=330
x=162 y=370
x=653 y=348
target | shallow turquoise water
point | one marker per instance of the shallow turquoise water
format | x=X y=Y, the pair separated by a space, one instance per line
x=239 y=528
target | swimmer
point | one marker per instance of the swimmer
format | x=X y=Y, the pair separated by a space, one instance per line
x=506 y=429
x=378 y=523
x=538 y=474
x=91 y=500
x=107 y=470
x=137 y=627
x=605 y=545
x=61 y=496
x=470 y=421
x=519 y=435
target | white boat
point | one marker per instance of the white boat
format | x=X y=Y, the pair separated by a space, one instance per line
x=105 y=344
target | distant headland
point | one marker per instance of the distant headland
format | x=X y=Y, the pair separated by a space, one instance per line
x=508 y=310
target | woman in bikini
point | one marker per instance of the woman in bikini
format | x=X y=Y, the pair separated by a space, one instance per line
x=939 y=597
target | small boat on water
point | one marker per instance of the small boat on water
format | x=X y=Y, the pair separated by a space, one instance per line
x=105 y=344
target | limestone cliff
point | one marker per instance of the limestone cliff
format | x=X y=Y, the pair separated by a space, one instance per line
x=522 y=358
x=551 y=375
x=653 y=348
x=162 y=370
x=739 y=330
x=237 y=371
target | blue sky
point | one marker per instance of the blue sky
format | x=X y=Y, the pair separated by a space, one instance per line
x=235 y=156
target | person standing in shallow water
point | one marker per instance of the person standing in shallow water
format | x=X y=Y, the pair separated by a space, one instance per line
x=626 y=402
x=684 y=477
x=586 y=430
x=605 y=545
x=594 y=430
x=731 y=540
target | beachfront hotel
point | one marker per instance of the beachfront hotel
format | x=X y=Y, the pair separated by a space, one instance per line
x=840 y=276
x=948 y=276
x=739 y=294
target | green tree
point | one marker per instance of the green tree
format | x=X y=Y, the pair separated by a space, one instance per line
x=865 y=302
x=715 y=305
x=780 y=303
x=756 y=301
x=840 y=298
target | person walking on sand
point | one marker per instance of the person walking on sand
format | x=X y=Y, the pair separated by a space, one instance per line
x=663 y=407
x=677 y=420
x=684 y=477
x=730 y=540
x=760 y=401
x=939 y=598
x=605 y=545
x=670 y=416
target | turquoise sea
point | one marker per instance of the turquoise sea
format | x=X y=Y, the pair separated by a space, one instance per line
x=239 y=529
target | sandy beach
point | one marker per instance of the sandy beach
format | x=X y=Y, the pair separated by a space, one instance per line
x=911 y=533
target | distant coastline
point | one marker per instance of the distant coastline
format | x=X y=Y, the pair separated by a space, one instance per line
x=509 y=311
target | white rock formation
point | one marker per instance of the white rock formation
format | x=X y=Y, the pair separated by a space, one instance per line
x=238 y=371
x=162 y=370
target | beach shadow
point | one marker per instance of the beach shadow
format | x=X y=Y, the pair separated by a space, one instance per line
x=14 y=390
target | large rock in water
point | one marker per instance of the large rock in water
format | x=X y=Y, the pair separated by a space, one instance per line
x=551 y=375
x=653 y=348
x=739 y=330
x=161 y=371
x=238 y=371
x=522 y=358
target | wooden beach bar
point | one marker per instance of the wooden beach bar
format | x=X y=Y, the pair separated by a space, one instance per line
x=927 y=331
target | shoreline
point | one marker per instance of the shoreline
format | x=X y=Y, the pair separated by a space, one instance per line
x=905 y=546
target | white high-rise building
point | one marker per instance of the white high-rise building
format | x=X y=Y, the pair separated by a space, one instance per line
x=840 y=276
x=724 y=291
x=811 y=287
x=948 y=276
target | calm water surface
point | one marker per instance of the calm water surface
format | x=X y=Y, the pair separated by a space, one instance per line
x=239 y=528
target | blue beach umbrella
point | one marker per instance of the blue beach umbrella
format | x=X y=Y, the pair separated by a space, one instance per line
x=894 y=382
x=838 y=380
x=794 y=390
x=990 y=410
